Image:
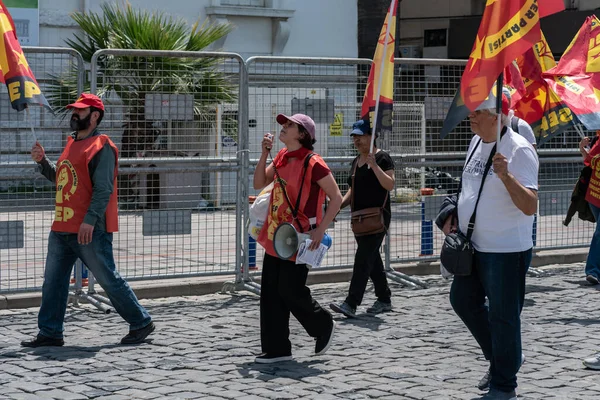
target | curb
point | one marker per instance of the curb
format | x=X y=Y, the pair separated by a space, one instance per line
x=202 y=286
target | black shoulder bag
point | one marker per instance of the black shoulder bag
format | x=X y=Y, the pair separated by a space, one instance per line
x=457 y=250
x=294 y=209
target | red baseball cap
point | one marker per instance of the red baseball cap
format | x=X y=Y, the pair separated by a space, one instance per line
x=300 y=119
x=87 y=100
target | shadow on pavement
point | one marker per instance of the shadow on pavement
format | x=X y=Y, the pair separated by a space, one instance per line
x=287 y=369
x=60 y=353
x=364 y=320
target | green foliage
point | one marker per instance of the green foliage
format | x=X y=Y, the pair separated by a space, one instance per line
x=120 y=26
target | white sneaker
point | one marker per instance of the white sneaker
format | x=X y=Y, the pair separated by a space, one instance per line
x=592 y=362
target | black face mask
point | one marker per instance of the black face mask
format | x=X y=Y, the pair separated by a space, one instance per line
x=78 y=124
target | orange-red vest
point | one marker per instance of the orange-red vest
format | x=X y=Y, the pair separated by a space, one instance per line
x=74 y=185
x=279 y=209
x=592 y=195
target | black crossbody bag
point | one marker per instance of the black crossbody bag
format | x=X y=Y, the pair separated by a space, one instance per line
x=457 y=250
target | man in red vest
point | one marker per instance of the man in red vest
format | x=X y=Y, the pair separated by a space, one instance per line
x=86 y=215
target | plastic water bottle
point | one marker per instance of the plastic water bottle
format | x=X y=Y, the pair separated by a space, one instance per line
x=327 y=240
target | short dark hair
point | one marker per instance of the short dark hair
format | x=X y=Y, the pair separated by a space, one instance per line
x=306 y=141
x=101 y=112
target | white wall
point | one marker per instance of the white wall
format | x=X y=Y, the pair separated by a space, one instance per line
x=316 y=28
x=324 y=28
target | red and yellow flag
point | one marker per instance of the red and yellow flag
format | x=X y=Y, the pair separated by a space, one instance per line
x=508 y=28
x=22 y=87
x=540 y=106
x=576 y=78
x=381 y=77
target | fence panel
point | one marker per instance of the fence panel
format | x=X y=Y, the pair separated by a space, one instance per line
x=175 y=118
x=26 y=197
x=331 y=92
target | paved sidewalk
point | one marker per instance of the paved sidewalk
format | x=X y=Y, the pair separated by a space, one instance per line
x=203 y=349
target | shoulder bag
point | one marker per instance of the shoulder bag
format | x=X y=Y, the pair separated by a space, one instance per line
x=368 y=221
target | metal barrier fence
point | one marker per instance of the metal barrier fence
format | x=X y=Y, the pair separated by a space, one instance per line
x=189 y=125
x=180 y=163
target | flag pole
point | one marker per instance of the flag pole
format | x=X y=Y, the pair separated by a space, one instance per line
x=381 y=70
x=499 y=84
x=35 y=140
x=579 y=131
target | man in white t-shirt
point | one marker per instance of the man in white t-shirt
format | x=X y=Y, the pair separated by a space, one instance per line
x=502 y=239
x=522 y=127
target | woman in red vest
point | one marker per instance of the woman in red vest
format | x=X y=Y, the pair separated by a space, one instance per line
x=302 y=174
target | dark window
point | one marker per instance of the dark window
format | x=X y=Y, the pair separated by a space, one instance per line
x=435 y=37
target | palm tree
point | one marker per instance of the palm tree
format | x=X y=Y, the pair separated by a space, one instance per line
x=131 y=78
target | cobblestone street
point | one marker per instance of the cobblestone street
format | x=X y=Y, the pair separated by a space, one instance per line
x=204 y=348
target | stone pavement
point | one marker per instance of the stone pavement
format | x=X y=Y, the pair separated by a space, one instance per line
x=203 y=349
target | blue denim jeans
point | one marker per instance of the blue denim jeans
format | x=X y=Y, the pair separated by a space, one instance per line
x=63 y=251
x=592 y=265
x=497 y=329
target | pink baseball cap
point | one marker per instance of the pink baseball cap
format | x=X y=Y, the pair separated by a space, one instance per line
x=299 y=119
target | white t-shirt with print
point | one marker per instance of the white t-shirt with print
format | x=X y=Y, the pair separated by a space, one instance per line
x=500 y=227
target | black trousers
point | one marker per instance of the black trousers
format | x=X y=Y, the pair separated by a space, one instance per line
x=368 y=264
x=283 y=290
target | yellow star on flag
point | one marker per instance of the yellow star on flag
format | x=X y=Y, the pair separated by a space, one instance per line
x=477 y=52
x=67 y=197
x=22 y=59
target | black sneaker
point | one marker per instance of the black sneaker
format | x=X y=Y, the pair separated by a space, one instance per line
x=41 y=340
x=592 y=279
x=138 y=335
x=324 y=341
x=495 y=394
x=344 y=308
x=266 y=358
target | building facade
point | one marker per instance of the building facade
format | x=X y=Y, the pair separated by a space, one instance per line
x=314 y=28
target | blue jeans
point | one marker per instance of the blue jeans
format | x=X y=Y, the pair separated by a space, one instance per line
x=63 y=251
x=497 y=329
x=592 y=265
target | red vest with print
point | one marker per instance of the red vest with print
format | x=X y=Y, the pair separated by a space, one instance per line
x=592 y=195
x=279 y=209
x=74 y=185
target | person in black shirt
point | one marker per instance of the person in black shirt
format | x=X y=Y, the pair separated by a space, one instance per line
x=373 y=178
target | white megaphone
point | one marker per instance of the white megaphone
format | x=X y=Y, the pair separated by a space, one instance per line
x=287 y=239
